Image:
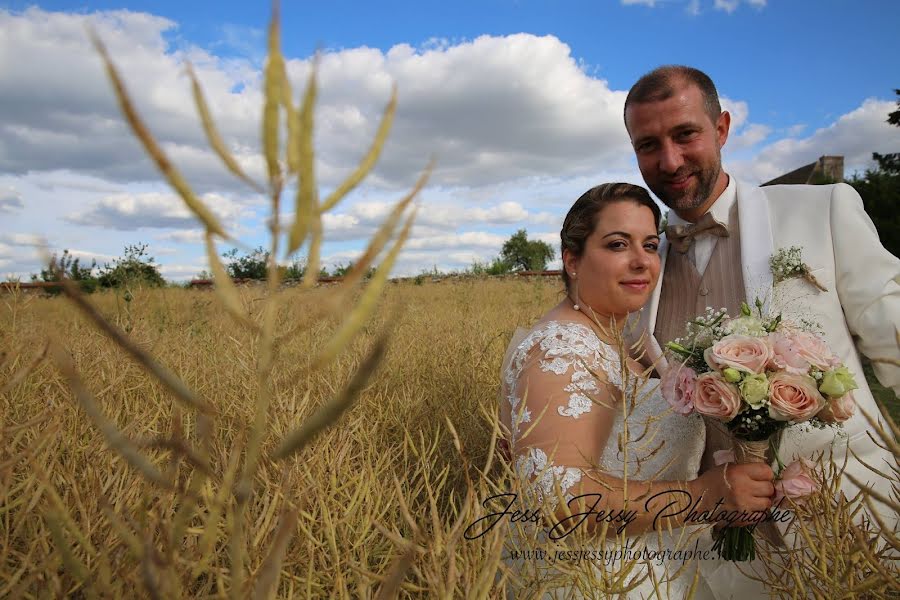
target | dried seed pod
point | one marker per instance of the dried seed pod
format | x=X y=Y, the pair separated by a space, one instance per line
x=172 y=174
x=212 y=132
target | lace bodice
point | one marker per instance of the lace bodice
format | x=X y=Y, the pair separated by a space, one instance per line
x=563 y=370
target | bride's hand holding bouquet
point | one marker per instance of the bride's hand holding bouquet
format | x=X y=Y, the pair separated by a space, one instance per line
x=756 y=375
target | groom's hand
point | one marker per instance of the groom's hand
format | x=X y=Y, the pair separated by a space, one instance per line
x=742 y=488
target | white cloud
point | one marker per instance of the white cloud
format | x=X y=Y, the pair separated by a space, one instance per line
x=85 y=256
x=854 y=136
x=491 y=109
x=752 y=134
x=60 y=112
x=737 y=108
x=744 y=133
x=183 y=236
x=153 y=210
x=519 y=127
x=22 y=239
x=10 y=200
x=343 y=257
x=180 y=272
x=447 y=252
x=471 y=239
x=435 y=216
x=444 y=215
x=730 y=6
x=693 y=6
x=551 y=238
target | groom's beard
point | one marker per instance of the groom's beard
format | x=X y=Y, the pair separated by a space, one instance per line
x=705 y=181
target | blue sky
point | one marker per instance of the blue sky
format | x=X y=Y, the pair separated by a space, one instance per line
x=520 y=101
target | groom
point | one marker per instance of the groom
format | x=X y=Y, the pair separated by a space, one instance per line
x=721 y=233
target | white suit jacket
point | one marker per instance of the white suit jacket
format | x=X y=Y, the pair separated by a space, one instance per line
x=859 y=312
x=840 y=245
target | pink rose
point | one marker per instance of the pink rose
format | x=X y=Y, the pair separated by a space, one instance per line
x=678 y=388
x=715 y=397
x=741 y=352
x=785 y=356
x=793 y=349
x=796 y=481
x=838 y=410
x=793 y=397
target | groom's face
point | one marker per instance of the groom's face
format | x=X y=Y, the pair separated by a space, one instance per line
x=678 y=148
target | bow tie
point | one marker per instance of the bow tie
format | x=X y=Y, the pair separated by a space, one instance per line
x=682 y=236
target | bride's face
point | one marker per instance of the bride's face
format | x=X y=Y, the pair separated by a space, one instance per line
x=620 y=264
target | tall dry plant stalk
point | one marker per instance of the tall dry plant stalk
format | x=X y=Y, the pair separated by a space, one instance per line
x=208 y=496
x=357 y=534
x=843 y=547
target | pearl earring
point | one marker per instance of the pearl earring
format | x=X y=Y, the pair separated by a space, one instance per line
x=575 y=304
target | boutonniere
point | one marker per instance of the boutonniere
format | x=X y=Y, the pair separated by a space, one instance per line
x=787 y=263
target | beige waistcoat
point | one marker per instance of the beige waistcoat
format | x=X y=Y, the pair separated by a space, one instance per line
x=685 y=294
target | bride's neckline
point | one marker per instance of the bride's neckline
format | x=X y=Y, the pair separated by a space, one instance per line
x=543 y=324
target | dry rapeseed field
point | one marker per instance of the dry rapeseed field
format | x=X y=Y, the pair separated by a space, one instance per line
x=374 y=507
x=378 y=498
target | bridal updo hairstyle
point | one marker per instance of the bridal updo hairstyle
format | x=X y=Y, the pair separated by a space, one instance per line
x=581 y=219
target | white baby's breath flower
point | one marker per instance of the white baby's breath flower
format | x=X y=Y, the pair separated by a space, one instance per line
x=788 y=262
x=745 y=326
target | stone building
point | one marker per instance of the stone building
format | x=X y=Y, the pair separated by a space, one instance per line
x=828 y=169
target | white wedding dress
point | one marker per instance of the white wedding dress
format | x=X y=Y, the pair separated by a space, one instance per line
x=559 y=369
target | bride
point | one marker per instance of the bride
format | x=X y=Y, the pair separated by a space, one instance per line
x=583 y=425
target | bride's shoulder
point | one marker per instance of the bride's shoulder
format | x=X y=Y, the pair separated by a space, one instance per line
x=555 y=337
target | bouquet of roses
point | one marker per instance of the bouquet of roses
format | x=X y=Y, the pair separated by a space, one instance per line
x=756 y=374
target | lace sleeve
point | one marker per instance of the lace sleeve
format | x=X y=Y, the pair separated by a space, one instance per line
x=561 y=391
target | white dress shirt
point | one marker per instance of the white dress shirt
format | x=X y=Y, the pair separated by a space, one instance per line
x=701 y=250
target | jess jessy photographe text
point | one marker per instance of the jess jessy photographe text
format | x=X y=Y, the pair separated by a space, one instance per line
x=680 y=503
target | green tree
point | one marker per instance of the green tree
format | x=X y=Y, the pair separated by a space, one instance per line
x=880 y=192
x=255 y=266
x=134 y=268
x=70 y=267
x=295 y=270
x=341 y=270
x=496 y=267
x=522 y=254
x=248 y=266
x=890 y=163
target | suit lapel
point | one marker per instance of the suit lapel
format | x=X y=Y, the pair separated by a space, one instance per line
x=757 y=244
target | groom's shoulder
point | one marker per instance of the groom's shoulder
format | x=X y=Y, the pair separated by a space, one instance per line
x=804 y=197
x=789 y=191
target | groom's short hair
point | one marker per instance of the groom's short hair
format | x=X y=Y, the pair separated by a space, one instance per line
x=662 y=82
